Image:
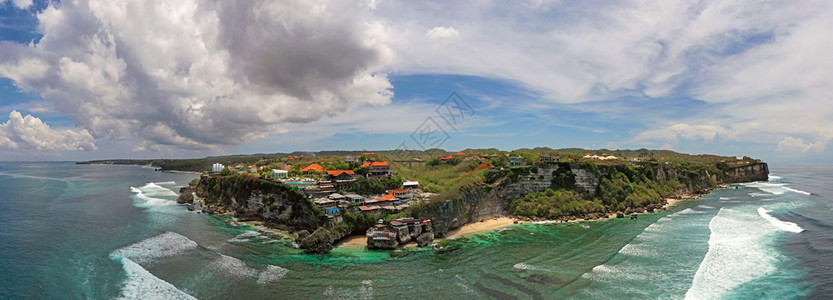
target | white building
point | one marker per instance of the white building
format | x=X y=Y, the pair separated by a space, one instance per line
x=217 y=167
x=410 y=185
x=280 y=173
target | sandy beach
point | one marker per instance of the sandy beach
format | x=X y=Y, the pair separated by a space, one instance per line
x=352 y=242
x=478 y=227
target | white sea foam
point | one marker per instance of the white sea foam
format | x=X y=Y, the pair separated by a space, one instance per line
x=245 y=237
x=753 y=194
x=726 y=198
x=364 y=292
x=636 y=250
x=141 y=284
x=236 y=267
x=773 y=188
x=147 y=198
x=166 y=182
x=155 y=190
x=783 y=225
x=705 y=206
x=271 y=274
x=163 y=245
x=798 y=191
x=738 y=253
x=523 y=266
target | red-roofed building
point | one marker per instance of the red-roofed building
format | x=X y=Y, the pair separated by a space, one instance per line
x=379 y=169
x=459 y=153
x=444 y=158
x=340 y=175
x=313 y=168
x=387 y=197
x=399 y=193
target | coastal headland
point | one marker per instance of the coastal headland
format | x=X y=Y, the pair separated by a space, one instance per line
x=390 y=199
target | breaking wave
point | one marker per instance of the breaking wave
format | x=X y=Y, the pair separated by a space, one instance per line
x=163 y=245
x=783 y=225
x=140 y=283
x=237 y=267
x=738 y=253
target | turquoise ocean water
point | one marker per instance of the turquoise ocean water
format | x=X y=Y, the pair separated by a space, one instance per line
x=100 y=232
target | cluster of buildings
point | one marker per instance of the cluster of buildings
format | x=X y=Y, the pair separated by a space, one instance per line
x=323 y=186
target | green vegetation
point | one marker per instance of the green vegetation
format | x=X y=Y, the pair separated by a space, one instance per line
x=552 y=204
x=369 y=186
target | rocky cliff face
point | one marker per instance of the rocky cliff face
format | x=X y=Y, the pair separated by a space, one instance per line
x=480 y=202
x=277 y=205
x=754 y=172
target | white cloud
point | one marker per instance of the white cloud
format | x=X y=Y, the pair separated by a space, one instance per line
x=442 y=32
x=791 y=144
x=202 y=73
x=761 y=67
x=22 y=4
x=30 y=133
x=670 y=133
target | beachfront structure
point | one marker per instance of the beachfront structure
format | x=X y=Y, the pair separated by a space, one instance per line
x=280 y=174
x=217 y=167
x=351 y=158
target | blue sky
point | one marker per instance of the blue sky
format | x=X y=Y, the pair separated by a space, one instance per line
x=93 y=79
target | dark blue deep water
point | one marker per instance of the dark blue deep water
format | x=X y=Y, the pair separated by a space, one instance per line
x=100 y=232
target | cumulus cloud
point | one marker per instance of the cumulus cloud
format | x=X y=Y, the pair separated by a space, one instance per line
x=22 y=4
x=442 y=32
x=201 y=73
x=791 y=144
x=674 y=132
x=761 y=67
x=30 y=133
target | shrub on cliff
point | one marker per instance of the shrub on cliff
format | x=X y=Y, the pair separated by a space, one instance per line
x=553 y=204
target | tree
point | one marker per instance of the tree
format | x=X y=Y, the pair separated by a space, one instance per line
x=225 y=172
x=362 y=171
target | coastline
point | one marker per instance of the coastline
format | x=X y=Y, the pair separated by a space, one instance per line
x=358 y=242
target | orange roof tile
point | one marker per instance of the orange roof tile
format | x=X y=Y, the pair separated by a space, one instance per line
x=338 y=172
x=367 y=164
x=459 y=153
x=378 y=164
x=314 y=167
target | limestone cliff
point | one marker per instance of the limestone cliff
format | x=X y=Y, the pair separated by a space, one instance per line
x=484 y=201
x=276 y=204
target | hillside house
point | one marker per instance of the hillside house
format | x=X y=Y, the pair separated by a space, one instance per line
x=410 y=185
x=353 y=198
x=340 y=175
x=280 y=174
x=379 y=169
x=312 y=169
x=515 y=161
x=217 y=167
